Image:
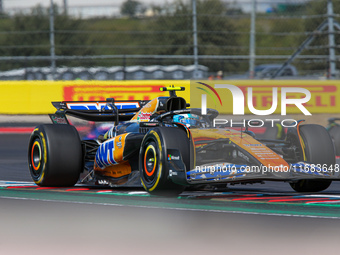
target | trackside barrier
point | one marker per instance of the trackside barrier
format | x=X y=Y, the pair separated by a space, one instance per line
x=35 y=97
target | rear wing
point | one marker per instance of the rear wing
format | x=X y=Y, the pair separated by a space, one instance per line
x=109 y=110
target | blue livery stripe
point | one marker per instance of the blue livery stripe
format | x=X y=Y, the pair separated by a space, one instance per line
x=100 y=106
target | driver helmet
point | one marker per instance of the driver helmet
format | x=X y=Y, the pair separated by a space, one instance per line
x=187 y=119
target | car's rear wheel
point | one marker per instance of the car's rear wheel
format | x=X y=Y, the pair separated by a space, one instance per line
x=153 y=158
x=318 y=149
x=55 y=155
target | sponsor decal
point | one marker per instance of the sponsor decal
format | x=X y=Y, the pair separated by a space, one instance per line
x=103 y=182
x=108 y=154
x=58 y=120
x=119 y=143
x=144 y=116
x=101 y=106
x=105 y=154
x=172 y=173
x=172 y=157
x=97 y=92
x=145 y=113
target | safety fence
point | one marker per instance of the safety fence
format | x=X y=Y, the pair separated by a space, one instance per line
x=223 y=35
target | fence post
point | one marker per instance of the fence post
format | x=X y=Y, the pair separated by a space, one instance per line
x=65 y=7
x=331 y=42
x=252 y=41
x=52 y=45
x=194 y=32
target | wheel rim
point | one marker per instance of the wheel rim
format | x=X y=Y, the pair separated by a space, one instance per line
x=36 y=159
x=150 y=162
x=36 y=155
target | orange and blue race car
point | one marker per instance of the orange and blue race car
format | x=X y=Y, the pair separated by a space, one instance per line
x=166 y=146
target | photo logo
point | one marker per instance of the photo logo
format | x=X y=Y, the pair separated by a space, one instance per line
x=204 y=96
x=239 y=99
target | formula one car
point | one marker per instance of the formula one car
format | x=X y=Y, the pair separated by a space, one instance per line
x=166 y=146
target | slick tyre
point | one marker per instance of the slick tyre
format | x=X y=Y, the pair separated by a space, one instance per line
x=153 y=165
x=319 y=149
x=335 y=134
x=55 y=155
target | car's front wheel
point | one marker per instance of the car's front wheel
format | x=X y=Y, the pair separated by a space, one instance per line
x=153 y=159
x=317 y=149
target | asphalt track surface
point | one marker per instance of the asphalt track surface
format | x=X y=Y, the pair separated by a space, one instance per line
x=259 y=219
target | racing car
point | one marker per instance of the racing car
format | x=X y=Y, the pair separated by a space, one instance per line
x=166 y=146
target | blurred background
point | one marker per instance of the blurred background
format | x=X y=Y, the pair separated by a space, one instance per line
x=174 y=39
